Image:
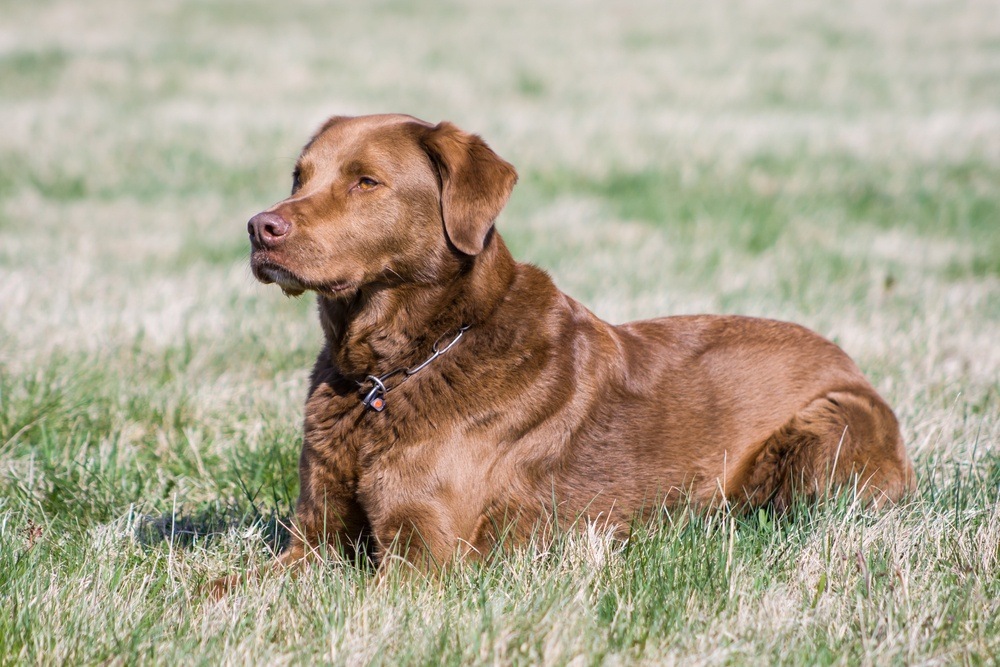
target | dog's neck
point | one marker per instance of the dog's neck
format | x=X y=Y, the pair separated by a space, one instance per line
x=386 y=327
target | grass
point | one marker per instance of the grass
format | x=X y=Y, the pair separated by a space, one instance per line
x=832 y=165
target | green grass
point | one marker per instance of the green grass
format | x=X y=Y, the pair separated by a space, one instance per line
x=833 y=165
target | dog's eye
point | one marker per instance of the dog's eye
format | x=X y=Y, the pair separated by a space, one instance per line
x=296 y=180
x=366 y=183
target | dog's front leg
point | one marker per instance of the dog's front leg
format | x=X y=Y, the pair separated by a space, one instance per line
x=328 y=516
x=418 y=541
x=325 y=523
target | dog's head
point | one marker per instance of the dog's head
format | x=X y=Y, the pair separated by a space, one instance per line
x=380 y=199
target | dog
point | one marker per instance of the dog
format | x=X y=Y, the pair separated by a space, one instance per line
x=461 y=401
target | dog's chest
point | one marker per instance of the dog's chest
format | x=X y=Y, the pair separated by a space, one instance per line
x=415 y=475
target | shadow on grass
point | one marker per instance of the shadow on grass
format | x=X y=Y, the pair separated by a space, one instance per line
x=204 y=526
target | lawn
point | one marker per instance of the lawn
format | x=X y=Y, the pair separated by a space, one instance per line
x=835 y=164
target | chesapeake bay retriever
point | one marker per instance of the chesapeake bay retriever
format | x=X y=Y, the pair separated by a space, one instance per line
x=461 y=399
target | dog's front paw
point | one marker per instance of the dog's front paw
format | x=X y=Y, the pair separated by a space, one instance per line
x=218 y=589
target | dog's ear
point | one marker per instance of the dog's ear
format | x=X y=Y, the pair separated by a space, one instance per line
x=475 y=184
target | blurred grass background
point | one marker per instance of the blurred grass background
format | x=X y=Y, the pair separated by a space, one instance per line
x=833 y=164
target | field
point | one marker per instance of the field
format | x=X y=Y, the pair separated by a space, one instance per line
x=835 y=164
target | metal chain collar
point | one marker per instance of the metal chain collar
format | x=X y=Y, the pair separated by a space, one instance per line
x=375 y=398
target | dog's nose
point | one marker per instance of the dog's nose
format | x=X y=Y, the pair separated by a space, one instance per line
x=268 y=229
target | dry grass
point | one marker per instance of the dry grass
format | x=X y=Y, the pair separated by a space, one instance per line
x=833 y=164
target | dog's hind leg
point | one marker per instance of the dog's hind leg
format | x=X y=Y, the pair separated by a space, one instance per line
x=843 y=437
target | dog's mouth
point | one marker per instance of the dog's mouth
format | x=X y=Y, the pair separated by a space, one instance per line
x=292 y=285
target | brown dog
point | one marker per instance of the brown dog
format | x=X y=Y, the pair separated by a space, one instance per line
x=530 y=408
